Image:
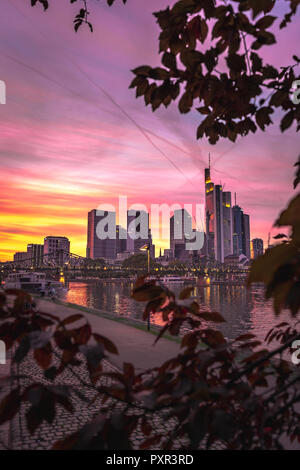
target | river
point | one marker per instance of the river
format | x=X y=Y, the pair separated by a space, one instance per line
x=244 y=310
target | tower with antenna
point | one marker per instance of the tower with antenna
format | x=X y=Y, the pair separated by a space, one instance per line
x=207 y=171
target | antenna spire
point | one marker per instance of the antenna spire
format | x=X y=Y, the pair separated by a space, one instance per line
x=235 y=199
x=209 y=160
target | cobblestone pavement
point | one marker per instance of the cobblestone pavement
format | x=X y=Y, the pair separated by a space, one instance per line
x=4 y=390
x=66 y=423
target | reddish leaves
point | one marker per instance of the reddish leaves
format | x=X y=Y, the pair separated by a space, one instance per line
x=108 y=345
x=9 y=405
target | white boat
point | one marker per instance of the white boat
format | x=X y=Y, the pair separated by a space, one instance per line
x=34 y=282
x=24 y=280
x=167 y=279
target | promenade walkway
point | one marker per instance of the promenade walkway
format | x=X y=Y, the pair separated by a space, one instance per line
x=134 y=345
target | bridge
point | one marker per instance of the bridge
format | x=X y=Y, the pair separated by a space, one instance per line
x=59 y=259
x=72 y=266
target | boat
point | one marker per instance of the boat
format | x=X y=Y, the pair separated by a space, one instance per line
x=29 y=281
x=33 y=282
x=181 y=279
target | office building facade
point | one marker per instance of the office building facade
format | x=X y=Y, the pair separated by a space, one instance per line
x=257 y=246
x=139 y=232
x=227 y=227
x=227 y=224
x=181 y=233
x=241 y=232
x=36 y=254
x=101 y=245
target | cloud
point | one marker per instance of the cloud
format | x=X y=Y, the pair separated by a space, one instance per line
x=66 y=147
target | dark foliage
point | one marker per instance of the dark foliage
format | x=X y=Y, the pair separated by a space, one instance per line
x=211 y=63
x=238 y=392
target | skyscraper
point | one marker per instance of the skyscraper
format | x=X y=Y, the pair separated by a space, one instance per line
x=246 y=236
x=138 y=231
x=218 y=223
x=209 y=215
x=101 y=246
x=227 y=227
x=237 y=215
x=56 y=249
x=241 y=232
x=36 y=253
x=214 y=215
x=257 y=247
x=121 y=239
x=181 y=230
x=227 y=224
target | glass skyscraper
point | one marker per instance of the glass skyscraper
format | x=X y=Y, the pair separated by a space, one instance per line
x=227 y=227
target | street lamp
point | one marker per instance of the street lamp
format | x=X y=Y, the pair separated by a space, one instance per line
x=144 y=248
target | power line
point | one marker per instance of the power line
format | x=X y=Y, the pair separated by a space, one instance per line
x=115 y=103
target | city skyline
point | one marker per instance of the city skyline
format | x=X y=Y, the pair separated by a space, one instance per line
x=227 y=230
x=66 y=145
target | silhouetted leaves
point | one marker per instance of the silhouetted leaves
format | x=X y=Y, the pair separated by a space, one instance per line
x=147 y=292
x=297 y=179
x=229 y=99
x=9 y=405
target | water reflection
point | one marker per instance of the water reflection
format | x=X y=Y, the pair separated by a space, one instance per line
x=244 y=310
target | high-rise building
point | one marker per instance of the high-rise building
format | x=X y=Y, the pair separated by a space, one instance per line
x=56 y=250
x=227 y=224
x=33 y=257
x=138 y=232
x=218 y=223
x=21 y=259
x=257 y=247
x=227 y=227
x=181 y=233
x=101 y=245
x=237 y=215
x=35 y=253
x=121 y=237
x=246 y=235
x=209 y=215
x=214 y=214
x=241 y=232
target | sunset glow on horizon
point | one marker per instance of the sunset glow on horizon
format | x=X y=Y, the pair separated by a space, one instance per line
x=68 y=145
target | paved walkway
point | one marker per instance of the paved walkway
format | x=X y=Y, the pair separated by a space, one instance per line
x=5 y=428
x=134 y=345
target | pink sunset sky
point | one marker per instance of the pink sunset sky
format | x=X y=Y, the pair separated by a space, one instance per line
x=67 y=145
